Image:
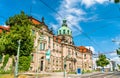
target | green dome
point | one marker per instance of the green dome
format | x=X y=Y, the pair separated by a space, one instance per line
x=64 y=30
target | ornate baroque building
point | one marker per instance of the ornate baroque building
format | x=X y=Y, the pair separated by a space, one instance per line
x=62 y=50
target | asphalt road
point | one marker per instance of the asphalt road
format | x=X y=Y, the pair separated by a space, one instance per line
x=100 y=75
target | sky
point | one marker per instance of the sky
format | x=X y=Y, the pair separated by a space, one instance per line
x=95 y=23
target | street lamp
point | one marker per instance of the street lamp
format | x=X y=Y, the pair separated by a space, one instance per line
x=65 y=65
x=17 y=60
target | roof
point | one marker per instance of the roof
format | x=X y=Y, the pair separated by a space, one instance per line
x=56 y=38
x=83 y=49
x=35 y=21
x=6 y=28
x=64 y=30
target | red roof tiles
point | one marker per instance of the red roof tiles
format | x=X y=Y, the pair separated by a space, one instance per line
x=6 y=28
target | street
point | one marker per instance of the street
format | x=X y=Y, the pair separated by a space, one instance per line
x=99 y=75
x=89 y=75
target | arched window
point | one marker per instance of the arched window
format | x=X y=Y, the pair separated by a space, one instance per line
x=68 y=31
x=63 y=31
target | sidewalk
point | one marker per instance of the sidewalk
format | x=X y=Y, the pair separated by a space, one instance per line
x=61 y=75
x=86 y=74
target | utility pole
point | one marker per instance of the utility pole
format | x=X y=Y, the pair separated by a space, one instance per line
x=17 y=61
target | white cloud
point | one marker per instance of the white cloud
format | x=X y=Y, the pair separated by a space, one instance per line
x=117 y=40
x=116 y=59
x=54 y=26
x=70 y=9
x=89 y=3
x=113 y=54
x=73 y=14
x=91 y=48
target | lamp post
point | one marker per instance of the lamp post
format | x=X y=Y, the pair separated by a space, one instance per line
x=65 y=59
x=17 y=61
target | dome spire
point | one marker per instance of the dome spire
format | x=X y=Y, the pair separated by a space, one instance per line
x=64 y=22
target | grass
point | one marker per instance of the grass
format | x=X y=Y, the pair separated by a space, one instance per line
x=11 y=76
x=21 y=76
x=6 y=76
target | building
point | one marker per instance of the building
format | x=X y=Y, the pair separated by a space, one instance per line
x=63 y=53
x=61 y=46
x=87 y=62
x=4 y=28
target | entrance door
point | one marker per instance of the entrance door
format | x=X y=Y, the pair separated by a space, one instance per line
x=41 y=67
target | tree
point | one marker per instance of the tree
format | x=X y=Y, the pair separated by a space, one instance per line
x=116 y=1
x=102 y=61
x=118 y=52
x=118 y=66
x=20 y=28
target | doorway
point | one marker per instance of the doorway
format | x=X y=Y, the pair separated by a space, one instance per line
x=41 y=67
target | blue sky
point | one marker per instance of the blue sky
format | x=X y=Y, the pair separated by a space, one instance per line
x=93 y=22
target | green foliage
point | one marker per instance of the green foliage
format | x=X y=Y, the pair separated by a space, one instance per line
x=20 y=29
x=58 y=71
x=118 y=52
x=1 y=56
x=118 y=66
x=71 y=72
x=24 y=63
x=5 y=72
x=102 y=61
x=116 y=1
x=2 y=43
x=6 y=58
x=86 y=71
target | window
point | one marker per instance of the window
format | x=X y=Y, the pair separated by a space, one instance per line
x=59 y=31
x=63 y=31
x=68 y=31
x=53 y=45
x=84 y=56
x=49 y=39
x=32 y=57
x=42 y=46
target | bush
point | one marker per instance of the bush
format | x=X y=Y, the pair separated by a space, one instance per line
x=58 y=71
x=71 y=72
x=86 y=71
x=24 y=63
x=5 y=72
x=6 y=58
